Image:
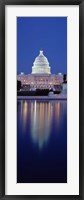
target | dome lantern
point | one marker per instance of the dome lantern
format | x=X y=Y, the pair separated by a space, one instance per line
x=41 y=52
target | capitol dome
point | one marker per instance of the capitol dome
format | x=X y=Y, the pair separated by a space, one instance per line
x=41 y=65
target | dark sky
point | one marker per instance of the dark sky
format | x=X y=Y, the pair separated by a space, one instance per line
x=48 y=33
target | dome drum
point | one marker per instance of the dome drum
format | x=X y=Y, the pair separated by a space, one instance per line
x=40 y=70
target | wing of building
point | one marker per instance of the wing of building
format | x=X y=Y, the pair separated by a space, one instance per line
x=41 y=76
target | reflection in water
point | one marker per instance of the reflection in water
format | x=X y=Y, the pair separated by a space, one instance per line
x=41 y=119
x=41 y=141
x=24 y=112
x=57 y=112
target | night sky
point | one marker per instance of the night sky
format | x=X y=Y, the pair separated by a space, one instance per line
x=46 y=33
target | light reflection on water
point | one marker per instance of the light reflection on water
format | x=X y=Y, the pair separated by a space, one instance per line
x=41 y=118
x=42 y=127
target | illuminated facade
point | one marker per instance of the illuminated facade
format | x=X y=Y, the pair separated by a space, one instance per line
x=41 y=77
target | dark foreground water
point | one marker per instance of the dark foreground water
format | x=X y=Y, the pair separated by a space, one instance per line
x=41 y=141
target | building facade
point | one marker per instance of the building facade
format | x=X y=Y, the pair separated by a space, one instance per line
x=41 y=77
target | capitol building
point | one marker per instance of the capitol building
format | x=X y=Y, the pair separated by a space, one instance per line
x=41 y=76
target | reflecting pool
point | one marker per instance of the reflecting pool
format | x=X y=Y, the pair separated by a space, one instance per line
x=41 y=141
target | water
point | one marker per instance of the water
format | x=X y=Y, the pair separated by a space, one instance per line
x=41 y=141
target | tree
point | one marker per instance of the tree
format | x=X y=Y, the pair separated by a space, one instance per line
x=18 y=85
x=65 y=78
